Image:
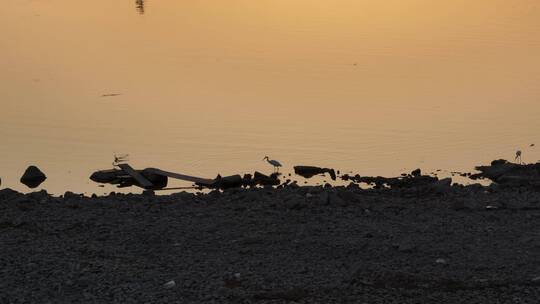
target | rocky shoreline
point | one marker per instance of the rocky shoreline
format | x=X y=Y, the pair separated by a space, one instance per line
x=415 y=244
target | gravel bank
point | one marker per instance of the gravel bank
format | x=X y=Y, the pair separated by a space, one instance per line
x=304 y=245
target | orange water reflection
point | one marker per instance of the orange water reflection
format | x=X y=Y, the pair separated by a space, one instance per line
x=212 y=86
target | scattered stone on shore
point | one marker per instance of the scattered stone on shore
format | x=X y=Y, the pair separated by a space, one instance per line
x=414 y=182
x=169 y=284
x=288 y=244
x=310 y=171
x=33 y=177
x=441 y=261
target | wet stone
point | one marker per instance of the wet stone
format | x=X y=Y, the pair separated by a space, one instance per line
x=33 y=177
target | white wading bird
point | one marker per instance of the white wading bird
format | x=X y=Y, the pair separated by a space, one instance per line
x=118 y=159
x=273 y=162
x=518 y=156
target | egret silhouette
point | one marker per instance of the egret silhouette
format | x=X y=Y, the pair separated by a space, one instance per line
x=273 y=162
x=118 y=159
x=518 y=156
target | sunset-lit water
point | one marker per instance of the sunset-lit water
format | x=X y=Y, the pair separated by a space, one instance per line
x=207 y=87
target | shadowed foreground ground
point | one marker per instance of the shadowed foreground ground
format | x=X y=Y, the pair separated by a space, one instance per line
x=306 y=245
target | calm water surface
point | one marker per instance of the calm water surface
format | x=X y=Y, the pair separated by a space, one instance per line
x=207 y=87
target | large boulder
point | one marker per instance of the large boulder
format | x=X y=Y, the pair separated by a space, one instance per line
x=33 y=177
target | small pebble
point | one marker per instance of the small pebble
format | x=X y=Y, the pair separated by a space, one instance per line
x=169 y=284
x=441 y=261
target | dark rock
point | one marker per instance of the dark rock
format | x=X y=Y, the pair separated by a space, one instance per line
x=149 y=193
x=33 y=177
x=352 y=185
x=310 y=171
x=71 y=195
x=265 y=180
x=510 y=174
x=416 y=172
x=105 y=176
x=247 y=180
x=227 y=182
x=294 y=185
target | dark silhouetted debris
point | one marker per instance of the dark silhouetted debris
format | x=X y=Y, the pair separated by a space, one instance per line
x=33 y=177
x=416 y=172
x=265 y=180
x=379 y=182
x=149 y=178
x=227 y=182
x=149 y=193
x=510 y=174
x=71 y=195
x=156 y=179
x=414 y=185
x=310 y=171
x=247 y=180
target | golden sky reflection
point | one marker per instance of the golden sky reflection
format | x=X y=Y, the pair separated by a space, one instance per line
x=212 y=86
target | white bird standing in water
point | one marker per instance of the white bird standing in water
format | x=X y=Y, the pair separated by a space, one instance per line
x=273 y=162
x=118 y=159
x=518 y=156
